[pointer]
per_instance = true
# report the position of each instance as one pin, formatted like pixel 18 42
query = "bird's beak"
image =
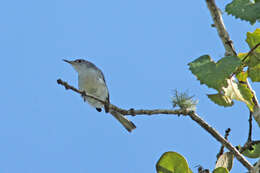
pixel 70 62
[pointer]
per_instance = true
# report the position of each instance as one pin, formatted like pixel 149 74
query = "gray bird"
pixel 92 81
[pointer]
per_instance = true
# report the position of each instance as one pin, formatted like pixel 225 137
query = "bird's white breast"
pixel 93 84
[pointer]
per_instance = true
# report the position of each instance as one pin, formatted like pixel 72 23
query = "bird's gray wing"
pixel 101 78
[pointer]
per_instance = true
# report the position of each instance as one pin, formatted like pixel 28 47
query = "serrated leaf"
pixel 245 10
pixel 253 39
pixel 172 162
pixel 225 160
pixel 220 99
pixel 213 74
pixel 254 153
pixel 254 73
pixel 253 59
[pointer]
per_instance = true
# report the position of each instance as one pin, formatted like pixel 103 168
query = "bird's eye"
pixel 79 60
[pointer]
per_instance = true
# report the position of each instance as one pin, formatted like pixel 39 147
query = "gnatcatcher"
pixel 92 81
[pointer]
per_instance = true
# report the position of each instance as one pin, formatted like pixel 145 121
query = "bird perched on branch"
pixel 92 81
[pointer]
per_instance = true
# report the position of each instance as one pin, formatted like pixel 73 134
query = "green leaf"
pixel 254 73
pixel 247 95
pixel 245 10
pixel 253 61
pixel 225 161
pixel 220 170
pixel 172 162
pixel 213 74
pixel 253 38
pixel 220 99
pixel 254 153
pixel 242 76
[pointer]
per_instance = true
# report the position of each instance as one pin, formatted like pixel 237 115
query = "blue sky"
pixel 143 48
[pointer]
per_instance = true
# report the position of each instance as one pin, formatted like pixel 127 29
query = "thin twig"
pixel 249 143
pixel 249 139
pixel 250 52
pixel 221 151
pixel 191 114
pixel 227 133
pixel 243 61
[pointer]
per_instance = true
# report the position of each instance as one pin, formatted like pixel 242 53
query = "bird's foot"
pixel 99 109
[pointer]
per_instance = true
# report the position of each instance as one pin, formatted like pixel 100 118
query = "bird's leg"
pixel 107 103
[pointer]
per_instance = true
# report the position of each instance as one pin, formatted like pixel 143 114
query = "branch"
pixel 191 114
pixel 123 111
pixel 222 32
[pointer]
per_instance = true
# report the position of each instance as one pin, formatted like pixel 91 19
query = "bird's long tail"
pixel 129 125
